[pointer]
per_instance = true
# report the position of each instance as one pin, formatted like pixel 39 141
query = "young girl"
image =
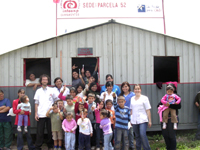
pixel 85 130
pixel 25 106
pixel 99 132
pixel 79 90
pixel 16 111
pixel 93 89
pixel 106 126
pixel 109 104
pixel 69 126
pixel 170 98
pixel 108 93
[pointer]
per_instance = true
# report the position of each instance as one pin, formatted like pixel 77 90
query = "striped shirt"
pixel 122 116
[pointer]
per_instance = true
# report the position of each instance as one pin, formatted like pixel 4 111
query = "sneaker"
pixel 25 129
pixel 55 148
pixel 59 148
pixel 175 126
pixel 164 125
pixel 98 148
pixel 93 147
pixel 19 129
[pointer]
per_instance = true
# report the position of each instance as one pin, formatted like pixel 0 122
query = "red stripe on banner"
pixel 56 19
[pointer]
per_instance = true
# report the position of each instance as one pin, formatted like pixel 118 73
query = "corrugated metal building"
pixel 126 52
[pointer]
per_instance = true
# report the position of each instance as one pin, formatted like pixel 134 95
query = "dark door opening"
pixel 166 69
pixel 89 64
pixel 38 67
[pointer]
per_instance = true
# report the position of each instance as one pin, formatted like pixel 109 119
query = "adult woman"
pixel 108 93
pixel 77 79
pixel 141 117
pixel 58 88
pixel 169 133
pixel 20 142
pixel 126 92
pixel 32 81
pixel 5 122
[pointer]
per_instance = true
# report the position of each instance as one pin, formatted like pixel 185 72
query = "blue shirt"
pixel 115 89
pixel 122 115
pixel 3 116
pixel 128 99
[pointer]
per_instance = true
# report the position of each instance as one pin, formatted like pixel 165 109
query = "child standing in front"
pixel 25 106
pixel 56 125
pixel 106 126
pixel 122 114
pixel 85 130
pixel 109 104
pixel 99 132
pixel 69 126
pixel 170 98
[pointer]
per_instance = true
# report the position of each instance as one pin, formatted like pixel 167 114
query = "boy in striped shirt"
pixel 122 114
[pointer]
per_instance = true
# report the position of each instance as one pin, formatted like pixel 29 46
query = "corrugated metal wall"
pixel 188 114
pixel 125 52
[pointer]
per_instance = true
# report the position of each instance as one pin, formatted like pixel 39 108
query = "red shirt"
pixel 17 111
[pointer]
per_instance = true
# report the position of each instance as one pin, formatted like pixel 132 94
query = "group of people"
pixel 86 115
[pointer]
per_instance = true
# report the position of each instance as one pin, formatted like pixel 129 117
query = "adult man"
pixel 115 89
pixel 5 123
pixel 32 81
pixel 43 101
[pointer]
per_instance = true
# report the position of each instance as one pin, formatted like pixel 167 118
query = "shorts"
pixel 57 135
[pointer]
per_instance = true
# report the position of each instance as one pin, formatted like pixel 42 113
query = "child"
pixel 85 130
pixel 73 93
pixel 106 126
pixel 91 116
pixel 109 104
pixel 60 104
pixel 79 90
pixel 122 114
pixel 99 132
pixel 170 98
pixel 25 106
pixel 69 126
pixel 70 105
pixel 56 125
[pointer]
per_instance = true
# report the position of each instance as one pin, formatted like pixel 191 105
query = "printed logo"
pixel 70 4
pixel 141 8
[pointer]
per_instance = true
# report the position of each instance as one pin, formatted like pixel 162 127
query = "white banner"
pixel 105 9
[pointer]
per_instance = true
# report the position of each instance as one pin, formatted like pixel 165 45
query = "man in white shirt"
pixel 43 101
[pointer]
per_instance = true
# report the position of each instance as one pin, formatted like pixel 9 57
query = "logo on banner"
pixel 141 8
pixel 70 8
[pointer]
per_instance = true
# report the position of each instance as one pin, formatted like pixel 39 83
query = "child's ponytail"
pixel 105 113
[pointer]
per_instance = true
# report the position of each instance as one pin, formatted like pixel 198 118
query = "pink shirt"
pixel 68 126
pixel 97 114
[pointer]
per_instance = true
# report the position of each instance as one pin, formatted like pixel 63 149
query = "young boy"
pixel 56 125
pixel 122 114
pixel 109 104
pixel 91 116
pixel 85 130
pixel 60 104
pixel 70 105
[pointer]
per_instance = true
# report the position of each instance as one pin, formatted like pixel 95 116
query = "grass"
pixel 184 141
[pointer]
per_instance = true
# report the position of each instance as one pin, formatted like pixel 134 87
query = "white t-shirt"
pixel 29 81
pixel 139 107
pixel 85 126
pixel 45 99
pixel 24 106
pixel 108 96
pixel 56 92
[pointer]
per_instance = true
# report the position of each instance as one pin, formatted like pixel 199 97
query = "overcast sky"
pixel 24 22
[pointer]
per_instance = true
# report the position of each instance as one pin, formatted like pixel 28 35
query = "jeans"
pixel 169 135
pixel 5 134
pixel 84 141
pixel 140 135
pixel 20 141
pixel 70 141
pixel 119 133
pixel 107 141
pixel 198 128
pixel 131 137
pixel 93 138
pixel 21 118
pixel 40 133
pixel 99 134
